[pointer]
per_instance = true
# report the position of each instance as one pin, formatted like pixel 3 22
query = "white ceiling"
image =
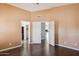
pixel 34 7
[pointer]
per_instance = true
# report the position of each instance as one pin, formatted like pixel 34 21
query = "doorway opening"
pixel 25 30
pixel 43 32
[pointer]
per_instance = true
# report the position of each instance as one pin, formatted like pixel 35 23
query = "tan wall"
pixel 10 21
pixel 66 23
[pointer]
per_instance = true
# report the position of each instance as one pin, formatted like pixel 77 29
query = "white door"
pixel 36 32
pixel 26 31
pixel 47 32
pixel 51 35
pixel 26 37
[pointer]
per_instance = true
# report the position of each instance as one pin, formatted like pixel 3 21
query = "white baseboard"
pixel 52 44
pixel 10 48
pixel 68 47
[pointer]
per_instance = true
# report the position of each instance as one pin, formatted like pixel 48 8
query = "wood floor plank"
pixel 41 50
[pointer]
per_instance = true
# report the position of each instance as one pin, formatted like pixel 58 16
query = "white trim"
pixel 68 47
pixel 10 48
pixel 51 44
pixel 24 23
pixel 52 33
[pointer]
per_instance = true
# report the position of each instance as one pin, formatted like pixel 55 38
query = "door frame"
pixel 51 39
pixel 51 31
pixel 24 23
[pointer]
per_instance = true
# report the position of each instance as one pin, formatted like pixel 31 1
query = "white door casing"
pixel 24 24
pixel 52 31
pixel 36 32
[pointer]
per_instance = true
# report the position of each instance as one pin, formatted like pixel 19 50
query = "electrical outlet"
pixel 10 43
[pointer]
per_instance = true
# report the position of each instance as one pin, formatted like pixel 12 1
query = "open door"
pixel 25 27
pixel 52 33
pixel 43 32
pixel 47 32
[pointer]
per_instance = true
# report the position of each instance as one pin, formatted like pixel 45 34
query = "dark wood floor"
pixel 40 50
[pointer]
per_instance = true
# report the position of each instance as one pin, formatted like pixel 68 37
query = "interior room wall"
pixel 66 23
pixel 66 20
pixel 10 25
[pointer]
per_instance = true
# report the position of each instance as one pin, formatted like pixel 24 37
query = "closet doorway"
pixel 25 30
pixel 43 32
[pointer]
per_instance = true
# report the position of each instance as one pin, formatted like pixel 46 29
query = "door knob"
pixel 46 30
